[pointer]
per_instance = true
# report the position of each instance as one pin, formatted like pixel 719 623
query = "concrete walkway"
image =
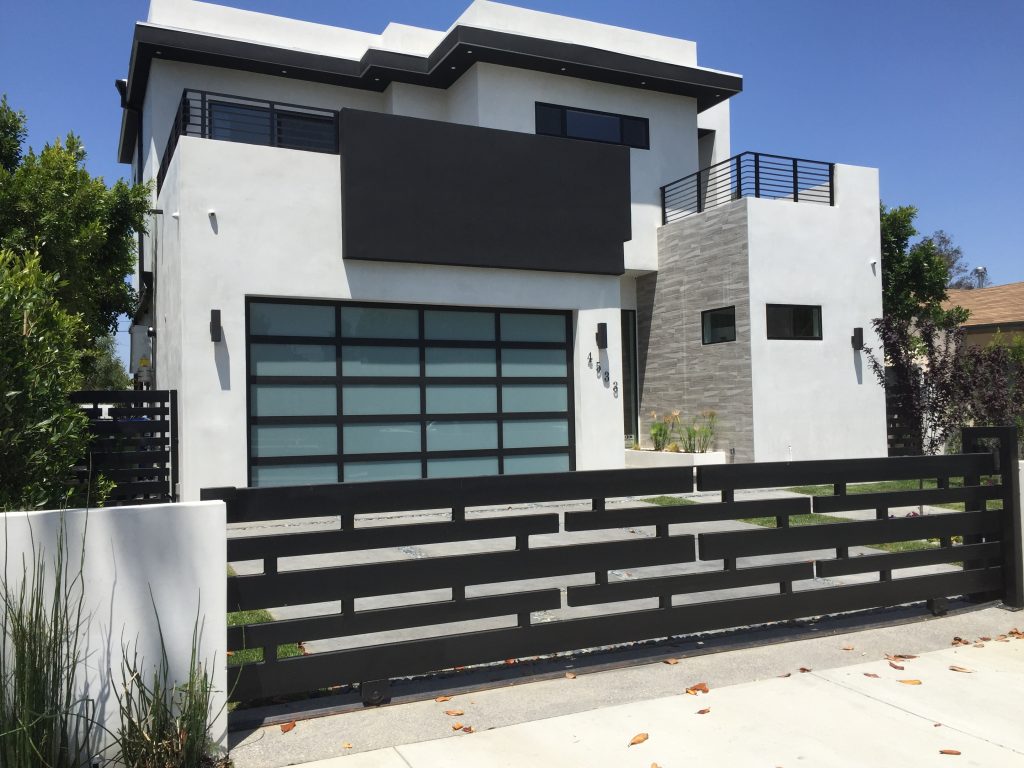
pixel 848 709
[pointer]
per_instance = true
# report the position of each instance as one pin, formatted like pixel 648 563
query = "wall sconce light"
pixel 602 336
pixel 216 332
pixel 857 340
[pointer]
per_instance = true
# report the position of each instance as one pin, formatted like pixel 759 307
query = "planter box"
pixel 648 459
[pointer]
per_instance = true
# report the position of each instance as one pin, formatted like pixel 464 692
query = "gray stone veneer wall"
pixel 702 264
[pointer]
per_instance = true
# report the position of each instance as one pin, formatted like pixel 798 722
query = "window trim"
pixel 722 341
pixel 821 326
pixel 421 381
pixel 563 133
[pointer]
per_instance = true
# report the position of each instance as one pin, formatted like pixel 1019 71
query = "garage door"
pixel 344 392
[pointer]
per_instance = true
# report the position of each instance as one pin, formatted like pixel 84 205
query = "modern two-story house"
pixel 491 249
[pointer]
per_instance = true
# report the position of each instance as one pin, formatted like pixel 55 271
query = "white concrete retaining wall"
pixel 646 459
pixel 172 556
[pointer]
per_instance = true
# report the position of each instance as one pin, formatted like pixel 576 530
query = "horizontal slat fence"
pixel 689 551
pixel 133 442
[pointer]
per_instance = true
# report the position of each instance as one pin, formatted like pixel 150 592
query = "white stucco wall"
pixel 817 399
pixel 277 232
pixel 172 556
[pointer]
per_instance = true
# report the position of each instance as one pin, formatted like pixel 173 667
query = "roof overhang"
pixel 377 69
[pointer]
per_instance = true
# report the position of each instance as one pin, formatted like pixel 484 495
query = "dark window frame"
pixel 794 337
pixel 564 133
pixel 703 340
pixel 422 381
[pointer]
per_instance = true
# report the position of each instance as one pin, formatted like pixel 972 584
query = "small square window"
pixel 794 321
pixel 718 325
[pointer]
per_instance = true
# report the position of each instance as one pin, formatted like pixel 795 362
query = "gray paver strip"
pixel 374 729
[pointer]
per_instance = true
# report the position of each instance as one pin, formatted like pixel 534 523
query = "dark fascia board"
pixel 460 49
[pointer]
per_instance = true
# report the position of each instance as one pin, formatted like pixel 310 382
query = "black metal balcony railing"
pixel 749 174
pixel 250 121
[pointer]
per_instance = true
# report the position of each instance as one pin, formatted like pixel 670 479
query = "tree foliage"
pixel 82 229
pixel 102 368
pixel 990 384
pixel 42 435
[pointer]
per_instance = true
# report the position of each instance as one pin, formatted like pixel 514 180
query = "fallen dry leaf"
pixel 956 668
pixel 229 654
pixel 894 665
pixel 443 699
pixel 570 675
pixel 870 674
pixel 805 669
pixel 788 674
pixel 670 661
pixel 847 648
pixel 696 688
pixel 910 682
pixel 346 745
pixel 640 738
pixel 936 725
pixel 510 661
pixel 703 711
pixel 984 639
pixel 979 645
pixel 286 727
pixel 467 729
pixel 899 656
pixel 457 726
pixel 949 751
pixel 454 712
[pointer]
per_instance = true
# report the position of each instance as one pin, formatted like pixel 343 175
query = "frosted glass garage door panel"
pixel 369 471
pixel 467 467
pixel 382 438
pixel 380 399
pixel 380 323
pixel 536 433
pixel 462 398
pixel 523 465
pixel 293 359
pixel 294 474
pixel 536 398
pixel 294 400
pixel 462 435
pixel 520 327
pixel 458 326
pixel 456 361
pixel 380 361
pixel 294 440
pixel 533 362
pixel 291 320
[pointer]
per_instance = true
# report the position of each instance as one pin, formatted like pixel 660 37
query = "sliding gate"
pixel 470 575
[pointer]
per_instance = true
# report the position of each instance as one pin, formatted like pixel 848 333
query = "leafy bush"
pixel 660 435
pixel 42 435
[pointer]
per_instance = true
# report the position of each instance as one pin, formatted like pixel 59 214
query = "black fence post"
pixel 1011 539
pixel 739 177
pixel 796 182
pixel 757 174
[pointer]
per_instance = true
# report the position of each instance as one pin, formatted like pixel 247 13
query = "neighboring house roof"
pixel 996 305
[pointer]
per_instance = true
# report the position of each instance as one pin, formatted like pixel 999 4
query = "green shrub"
pixel 42 435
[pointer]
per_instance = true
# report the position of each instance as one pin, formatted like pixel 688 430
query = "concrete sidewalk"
pixel 763 710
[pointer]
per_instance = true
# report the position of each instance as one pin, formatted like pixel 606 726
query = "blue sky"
pixel 928 91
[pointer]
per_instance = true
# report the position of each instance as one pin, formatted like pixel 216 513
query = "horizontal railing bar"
pixel 829 471
pixel 385 619
pixel 319 670
pixel 386 536
pixel 773 541
pixel 689 513
pixel 351 581
pixel 111 397
pixel 973 494
pixel 636 589
pixel 127 426
pixel 194 97
pixel 102 460
pixel 892 561
pixel 250 504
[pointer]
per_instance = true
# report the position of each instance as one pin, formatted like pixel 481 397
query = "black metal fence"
pixel 748 174
pixel 208 115
pixel 134 443
pixel 596 558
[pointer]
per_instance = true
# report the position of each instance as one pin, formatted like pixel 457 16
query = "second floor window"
pixel 794 321
pixel 574 123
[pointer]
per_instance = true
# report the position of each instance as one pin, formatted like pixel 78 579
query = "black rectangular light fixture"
pixel 216 332
pixel 857 339
pixel 602 336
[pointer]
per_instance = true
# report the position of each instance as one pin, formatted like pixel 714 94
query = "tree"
pixel 961 275
pixel 990 384
pixel 82 229
pixel 102 367
pixel 42 435
pixel 913 278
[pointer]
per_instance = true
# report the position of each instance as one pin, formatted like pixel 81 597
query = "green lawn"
pixel 258 616
pixel 884 487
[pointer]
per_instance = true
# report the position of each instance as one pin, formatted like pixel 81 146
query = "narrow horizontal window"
pixel 592 125
pixel 794 321
pixel 718 325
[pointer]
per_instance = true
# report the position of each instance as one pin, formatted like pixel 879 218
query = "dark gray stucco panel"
pixel 429 192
